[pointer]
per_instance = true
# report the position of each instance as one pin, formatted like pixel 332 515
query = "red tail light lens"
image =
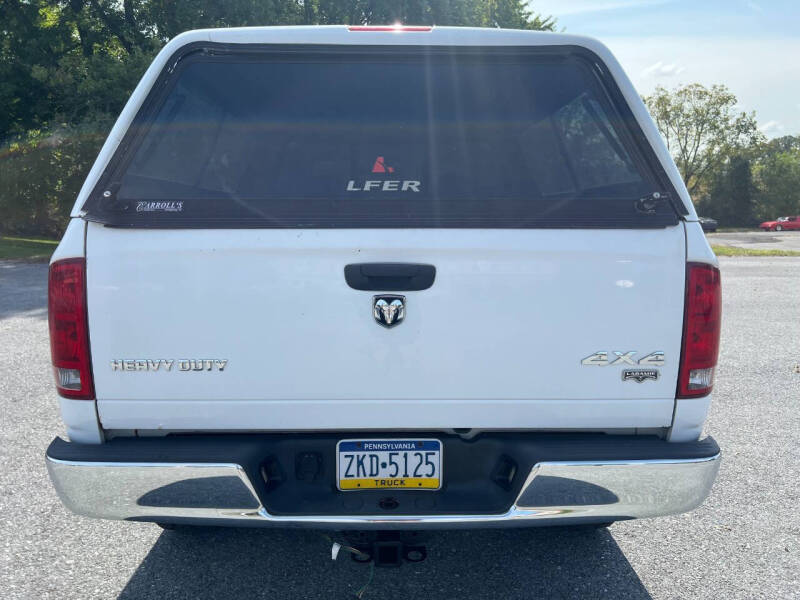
pixel 69 331
pixel 701 329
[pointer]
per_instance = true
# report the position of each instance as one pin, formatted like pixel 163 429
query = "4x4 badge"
pixel 389 310
pixel 602 359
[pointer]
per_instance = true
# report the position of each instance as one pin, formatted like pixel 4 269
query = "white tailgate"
pixel 497 341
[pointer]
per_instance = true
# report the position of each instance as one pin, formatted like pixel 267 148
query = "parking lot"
pixel 744 542
pixel 757 240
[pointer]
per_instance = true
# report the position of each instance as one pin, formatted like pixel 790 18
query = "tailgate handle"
pixel 389 277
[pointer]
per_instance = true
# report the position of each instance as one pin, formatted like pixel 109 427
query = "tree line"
pixel 732 172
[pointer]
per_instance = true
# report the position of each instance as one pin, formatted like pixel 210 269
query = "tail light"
pixel 701 329
pixel 69 331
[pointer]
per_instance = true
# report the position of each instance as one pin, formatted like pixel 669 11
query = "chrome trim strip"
pixel 590 491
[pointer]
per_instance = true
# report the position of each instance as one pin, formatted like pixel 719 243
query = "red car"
pixel 781 224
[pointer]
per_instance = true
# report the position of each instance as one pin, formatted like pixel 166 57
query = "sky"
pixel 752 46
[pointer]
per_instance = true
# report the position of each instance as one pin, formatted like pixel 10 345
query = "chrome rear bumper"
pixel 223 494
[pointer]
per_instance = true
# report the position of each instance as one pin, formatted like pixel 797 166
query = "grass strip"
pixel 734 251
pixel 26 248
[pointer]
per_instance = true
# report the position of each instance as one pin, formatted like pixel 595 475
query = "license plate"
pixel 414 464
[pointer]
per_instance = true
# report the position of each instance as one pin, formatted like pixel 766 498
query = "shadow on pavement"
pixel 515 563
pixel 23 289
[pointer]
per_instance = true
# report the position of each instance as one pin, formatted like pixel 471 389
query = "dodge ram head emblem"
pixel 389 310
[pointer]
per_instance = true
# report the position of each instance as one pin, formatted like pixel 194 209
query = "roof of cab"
pixel 344 34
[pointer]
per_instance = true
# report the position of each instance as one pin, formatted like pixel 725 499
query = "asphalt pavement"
pixel 757 240
pixel 744 542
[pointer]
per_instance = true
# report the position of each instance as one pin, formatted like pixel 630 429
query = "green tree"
pixel 41 175
pixel 777 175
pixel 703 129
pixel 732 198
pixel 512 14
pixel 167 18
pixel 786 143
pixel 65 61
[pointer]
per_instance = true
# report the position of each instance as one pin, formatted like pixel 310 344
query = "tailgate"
pixel 497 340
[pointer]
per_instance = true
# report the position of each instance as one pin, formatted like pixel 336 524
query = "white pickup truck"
pixel 383 278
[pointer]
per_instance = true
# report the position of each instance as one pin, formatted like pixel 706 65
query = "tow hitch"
pixel 386 548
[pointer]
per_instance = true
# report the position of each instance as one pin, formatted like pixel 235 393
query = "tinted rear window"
pixel 414 138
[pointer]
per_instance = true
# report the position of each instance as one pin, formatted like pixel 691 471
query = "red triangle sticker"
pixel 378 166
pixel 381 167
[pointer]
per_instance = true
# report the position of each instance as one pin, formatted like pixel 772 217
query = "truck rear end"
pixel 350 278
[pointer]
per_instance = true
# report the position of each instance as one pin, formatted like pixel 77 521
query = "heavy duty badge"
pixel 166 364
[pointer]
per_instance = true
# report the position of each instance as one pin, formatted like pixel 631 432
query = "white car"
pixel 383 278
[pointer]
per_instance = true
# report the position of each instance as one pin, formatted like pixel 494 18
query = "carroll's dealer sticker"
pixel 389 464
pixel 159 206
